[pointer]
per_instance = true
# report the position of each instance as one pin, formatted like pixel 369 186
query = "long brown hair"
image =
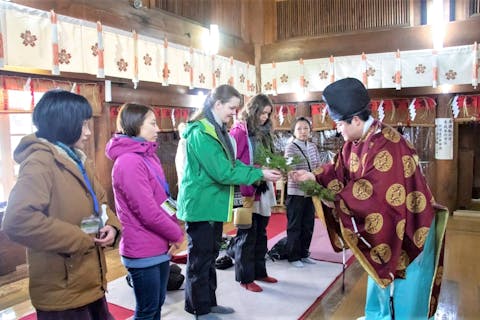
pixel 252 111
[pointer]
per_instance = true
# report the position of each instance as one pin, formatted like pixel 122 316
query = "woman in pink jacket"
pixel 149 226
pixel 253 131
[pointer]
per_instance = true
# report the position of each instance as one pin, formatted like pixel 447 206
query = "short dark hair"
pixel 59 116
pixel 298 120
pixel 131 117
pixel 363 115
pixel 222 93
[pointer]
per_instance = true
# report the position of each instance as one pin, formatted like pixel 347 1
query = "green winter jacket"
pixel 206 192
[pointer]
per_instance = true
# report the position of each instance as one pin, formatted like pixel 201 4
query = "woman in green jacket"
pixel 205 198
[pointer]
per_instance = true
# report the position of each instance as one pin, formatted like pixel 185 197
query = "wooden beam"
pixel 162 97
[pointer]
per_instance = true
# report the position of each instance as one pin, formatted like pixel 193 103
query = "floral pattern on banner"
pixel 32 29
pixel 94 49
pixel 420 68
pixel 28 38
pixel 64 57
pixel 147 60
pixel 122 65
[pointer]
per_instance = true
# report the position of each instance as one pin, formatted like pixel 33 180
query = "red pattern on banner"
pixel 320 118
pixel 469 107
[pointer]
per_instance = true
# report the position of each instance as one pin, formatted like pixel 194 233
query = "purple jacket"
pixel 240 133
pixel 147 229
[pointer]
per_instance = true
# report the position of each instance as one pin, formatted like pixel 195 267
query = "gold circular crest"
pixel 400 229
pixel 383 161
pixel 344 208
pixel 420 236
pixel 391 134
pixel 362 189
pixel 373 223
pixel 403 261
pixel 335 185
pixel 416 201
pixel 409 166
pixel 354 162
pixel 318 171
pixel 395 195
pixel 352 238
pixel 381 254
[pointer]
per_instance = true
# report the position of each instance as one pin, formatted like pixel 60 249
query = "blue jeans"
pixel 150 287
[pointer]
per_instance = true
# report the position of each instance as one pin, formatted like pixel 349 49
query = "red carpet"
pixel 119 313
pixel 276 225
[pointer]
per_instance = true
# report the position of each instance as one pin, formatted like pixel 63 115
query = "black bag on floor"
pixel 175 278
pixel 223 263
pixel 279 250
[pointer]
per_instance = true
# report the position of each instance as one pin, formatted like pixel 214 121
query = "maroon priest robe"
pixel 383 207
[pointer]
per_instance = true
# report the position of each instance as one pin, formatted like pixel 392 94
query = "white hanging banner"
pixel 444 138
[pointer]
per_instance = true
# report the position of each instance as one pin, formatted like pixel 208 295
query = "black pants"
pixel 97 310
pixel 301 220
pixel 250 247
pixel 204 240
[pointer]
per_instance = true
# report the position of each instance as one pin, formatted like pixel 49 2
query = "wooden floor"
pixel 459 299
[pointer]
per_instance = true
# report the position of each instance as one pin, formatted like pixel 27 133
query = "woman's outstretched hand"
pixel 300 175
pixel 271 174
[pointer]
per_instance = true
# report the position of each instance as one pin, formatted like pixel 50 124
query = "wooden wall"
pixel 310 18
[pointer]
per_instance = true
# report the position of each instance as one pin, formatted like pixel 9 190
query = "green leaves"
pixel 312 188
pixel 267 158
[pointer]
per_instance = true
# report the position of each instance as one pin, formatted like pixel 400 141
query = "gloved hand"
pixel 262 187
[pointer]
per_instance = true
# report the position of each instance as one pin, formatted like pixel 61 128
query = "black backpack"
pixel 175 279
pixel 279 250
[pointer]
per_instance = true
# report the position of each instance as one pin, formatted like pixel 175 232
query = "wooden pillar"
pixel 103 166
pixel 258 71
pixel 445 189
pixel 303 110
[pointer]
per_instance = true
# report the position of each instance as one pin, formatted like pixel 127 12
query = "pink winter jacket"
pixel 139 188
